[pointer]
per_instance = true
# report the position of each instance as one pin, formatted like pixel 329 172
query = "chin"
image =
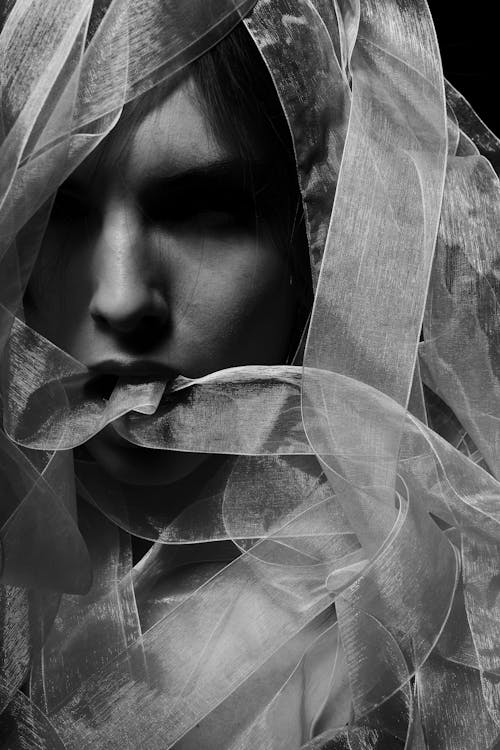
pixel 133 464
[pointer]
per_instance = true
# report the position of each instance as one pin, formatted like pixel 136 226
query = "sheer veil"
pixel 361 486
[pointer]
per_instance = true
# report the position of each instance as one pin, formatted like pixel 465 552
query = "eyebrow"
pixel 238 175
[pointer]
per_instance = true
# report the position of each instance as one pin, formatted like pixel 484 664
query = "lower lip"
pixel 101 386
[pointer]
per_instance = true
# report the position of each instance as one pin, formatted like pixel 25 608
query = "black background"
pixel 469 40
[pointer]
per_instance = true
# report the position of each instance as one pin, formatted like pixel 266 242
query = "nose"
pixel 127 296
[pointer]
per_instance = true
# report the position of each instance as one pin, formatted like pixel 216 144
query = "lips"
pixel 133 368
pixel 100 386
pixel 106 374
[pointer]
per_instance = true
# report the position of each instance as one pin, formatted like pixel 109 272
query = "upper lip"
pixel 133 369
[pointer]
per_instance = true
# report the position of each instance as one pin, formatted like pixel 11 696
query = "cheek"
pixel 230 299
pixel 58 291
pixel 240 305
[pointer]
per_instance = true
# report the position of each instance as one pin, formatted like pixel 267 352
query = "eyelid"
pixel 182 205
pixel 216 217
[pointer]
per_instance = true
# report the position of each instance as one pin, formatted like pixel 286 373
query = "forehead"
pixel 166 134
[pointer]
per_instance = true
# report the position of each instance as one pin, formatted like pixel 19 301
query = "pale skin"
pixel 152 259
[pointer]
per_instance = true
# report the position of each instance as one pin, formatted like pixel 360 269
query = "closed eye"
pixel 210 213
pixel 219 195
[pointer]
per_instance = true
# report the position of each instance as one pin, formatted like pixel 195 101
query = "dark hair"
pixel 233 78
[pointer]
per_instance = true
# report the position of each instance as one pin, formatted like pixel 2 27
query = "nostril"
pixel 136 335
pixel 130 314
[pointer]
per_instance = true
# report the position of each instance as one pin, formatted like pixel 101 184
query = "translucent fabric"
pixel 348 524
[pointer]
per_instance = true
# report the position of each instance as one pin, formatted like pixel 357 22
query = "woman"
pixel 325 560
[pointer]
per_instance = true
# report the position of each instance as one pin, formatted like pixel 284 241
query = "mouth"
pixel 100 386
pixel 105 375
pixel 125 368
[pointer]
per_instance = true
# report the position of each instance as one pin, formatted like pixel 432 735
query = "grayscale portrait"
pixel 250 397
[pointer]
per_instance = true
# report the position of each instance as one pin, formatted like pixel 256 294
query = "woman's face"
pixel 161 257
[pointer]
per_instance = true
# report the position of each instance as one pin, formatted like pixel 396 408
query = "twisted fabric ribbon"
pixel 351 581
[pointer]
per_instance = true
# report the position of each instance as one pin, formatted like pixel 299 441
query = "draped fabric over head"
pixel 361 487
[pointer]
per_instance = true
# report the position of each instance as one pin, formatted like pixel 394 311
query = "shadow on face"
pixel 163 253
